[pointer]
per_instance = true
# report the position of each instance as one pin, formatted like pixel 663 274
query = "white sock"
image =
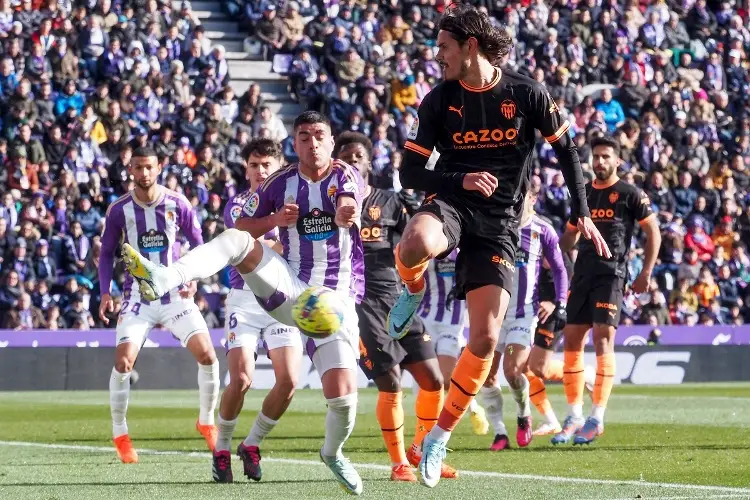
pixel 440 434
pixel 493 405
pixel 575 410
pixel 521 395
pixel 551 419
pixel 203 261
pixel 598 412
pixel 208 391
pixel 473 405
pixel 342 412
pixel 261 428
pixel 119 393
pixel 226 430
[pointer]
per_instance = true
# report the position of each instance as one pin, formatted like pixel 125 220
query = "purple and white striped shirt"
pixel 537 241
pixel 149 229
pixel 232 212
pixel 440 279
pixel 316 249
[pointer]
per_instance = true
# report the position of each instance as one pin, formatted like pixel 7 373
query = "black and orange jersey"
pixel 489 129
pixel 615 209
pixel 384 216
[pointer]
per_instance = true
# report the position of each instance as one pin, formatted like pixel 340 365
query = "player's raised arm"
pixel 259 214
pixel 569 239
pixel 419 145
pixel 555 131
pixel 645 216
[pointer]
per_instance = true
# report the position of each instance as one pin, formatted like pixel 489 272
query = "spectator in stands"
pixel 24 316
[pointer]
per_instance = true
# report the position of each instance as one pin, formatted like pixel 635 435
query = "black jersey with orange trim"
pixel 615 209
pixel 384 217
pixel 490 129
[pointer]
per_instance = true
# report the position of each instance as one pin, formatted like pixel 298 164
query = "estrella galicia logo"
pixel 153 241
pixel 317 225
pixel 445 268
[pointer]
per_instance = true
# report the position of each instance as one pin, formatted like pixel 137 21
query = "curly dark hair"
pixel 348 137
pixel 464 21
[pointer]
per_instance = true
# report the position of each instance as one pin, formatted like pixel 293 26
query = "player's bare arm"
pixel 569 239
pixel 653 243
pixel 347 211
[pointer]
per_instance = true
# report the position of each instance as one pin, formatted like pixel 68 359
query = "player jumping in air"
pixel 315 204
pixel 444 318
pixel 149 218
pixel 383 358
pixel 538 243
pixel 247 322
pixel 598 285
pixel 483 121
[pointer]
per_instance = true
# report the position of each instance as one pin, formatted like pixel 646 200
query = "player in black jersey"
pixel 599 283
pixel 483 121
pixel 382 357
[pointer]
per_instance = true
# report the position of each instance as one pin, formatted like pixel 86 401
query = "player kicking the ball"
pixel 482 119
pixel 538 243
pixel 247 323
pixel 315 204
pixel 598 285
pixel 149 218
pixel 383 358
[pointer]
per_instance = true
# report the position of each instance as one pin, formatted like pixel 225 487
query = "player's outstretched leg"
pixel 492 397
pixel 229 248
pixel 119 394
pixel 402 314
pixel 429 402
pixel 423 239
pixel 336 362
pixel 605 373
pixel 285 361
pixel 486 306
pixel 573 381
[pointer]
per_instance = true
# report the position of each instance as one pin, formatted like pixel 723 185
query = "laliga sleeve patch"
pixel 413 130
pixel 251 205
pixel 351 187
pixel 235 212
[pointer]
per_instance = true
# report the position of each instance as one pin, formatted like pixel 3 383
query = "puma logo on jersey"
pixel 460 111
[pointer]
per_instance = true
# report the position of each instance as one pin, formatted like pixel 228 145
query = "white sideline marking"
pixel 496 475
pixel 702 497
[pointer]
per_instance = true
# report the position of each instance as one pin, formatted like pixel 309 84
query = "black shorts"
pixel 546 337
pixel 378 351
pixel 595 299
pixel 487 243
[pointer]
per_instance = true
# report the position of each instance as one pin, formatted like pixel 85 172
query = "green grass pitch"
pixel 677 442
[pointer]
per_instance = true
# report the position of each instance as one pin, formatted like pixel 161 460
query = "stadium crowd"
pixel 82 83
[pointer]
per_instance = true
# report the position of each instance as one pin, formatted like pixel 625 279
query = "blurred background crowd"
pixel 82 83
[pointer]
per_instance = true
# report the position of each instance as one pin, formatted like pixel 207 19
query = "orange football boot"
pixel 403 472
pixel 125 450
pixel 209 432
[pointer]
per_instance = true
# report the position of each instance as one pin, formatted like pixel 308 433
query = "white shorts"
pixel 448 339
pixel 516 331
pixel 274 277
pixel 248 324
pixel 181 317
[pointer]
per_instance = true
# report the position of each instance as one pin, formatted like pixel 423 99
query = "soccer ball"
pixel 318 312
